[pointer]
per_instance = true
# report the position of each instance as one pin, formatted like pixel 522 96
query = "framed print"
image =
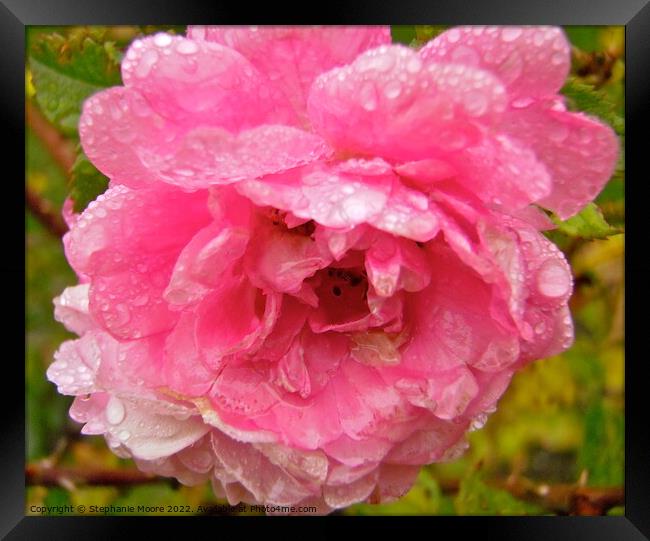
pixel 369 268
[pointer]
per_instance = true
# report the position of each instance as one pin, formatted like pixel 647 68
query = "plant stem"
pixel 45 213
pixel 45 475
pixel 61 149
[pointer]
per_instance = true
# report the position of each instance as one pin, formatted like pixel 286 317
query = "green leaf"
pixel 585 37
pixel 603 452
pixel 426 33
pixel 86 183
pixel 68 69
pixel 475 497
pixel 402 33
pixel 588 224
pixel 586 98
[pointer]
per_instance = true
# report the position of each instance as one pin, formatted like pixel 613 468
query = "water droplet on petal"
pixel 553 279
pixel 393 89
pixel 558 132
pixel 162 39
pixel 368 96
pixel 187 47
pixel 115 411
pixel 146 63
pixel 453 35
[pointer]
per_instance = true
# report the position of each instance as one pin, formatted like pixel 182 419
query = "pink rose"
pixel 318 264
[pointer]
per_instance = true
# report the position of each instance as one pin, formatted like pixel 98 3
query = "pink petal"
pixel 426 446
pixel 89 409
pixel 308 466
pixel 204 261
pixel 292 57
pixel 393 263
pixel 447 395
pixel 389 103
pixel 134 145
pixel 285 330
pixel 452 323
pixel 340 197
pixel 395 481
pixel 197 82
pixel 323 355
pixel 183 368
pixel 71 309
pixel 501 171
pixel 75 365
pixel 532 61
pixel 578 151
pixel 330 198
pixel 237 317
pixel 305 424
pixel 292 372
pixel 408 213
pixel 208 156
pixel 147 434
pixel 356 491
pixel 242 391
pixel 118 128
pixel 127 242
pixel 282 260
pixel 260 476
pixel 350 451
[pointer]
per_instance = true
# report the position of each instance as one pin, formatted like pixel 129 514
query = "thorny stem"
pixel 63 153
pixel 52 476
pixel 61 149
pixel 44 212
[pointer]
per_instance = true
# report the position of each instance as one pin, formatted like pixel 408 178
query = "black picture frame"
pixel 15 15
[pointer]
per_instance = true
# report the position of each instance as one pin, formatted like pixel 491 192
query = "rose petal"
pixel 292 57
pixel 532 61
pixel 389 103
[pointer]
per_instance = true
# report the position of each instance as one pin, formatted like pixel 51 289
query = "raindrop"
pixel 393 89
pixel 162 39
pixel 187 47
pixel 453 35
pixel 368 97
pixel 146 63
pixel 115 411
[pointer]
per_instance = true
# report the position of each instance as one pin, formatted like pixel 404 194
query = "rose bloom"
pixel 319 261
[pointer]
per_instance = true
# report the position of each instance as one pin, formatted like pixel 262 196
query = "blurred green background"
pixel 555 444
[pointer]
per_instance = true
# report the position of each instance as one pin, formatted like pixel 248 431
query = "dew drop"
pixel 553 280
pixel 115 411
pixel 414 65
pixel 146 63
pixel 162 39
pixel 187 47
pixel 453 35
pixel 558 132
pixel 476 103
pixel 557 59
pixel 393 89
pixel 368 97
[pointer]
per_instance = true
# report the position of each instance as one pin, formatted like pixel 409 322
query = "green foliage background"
pixel 561 419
